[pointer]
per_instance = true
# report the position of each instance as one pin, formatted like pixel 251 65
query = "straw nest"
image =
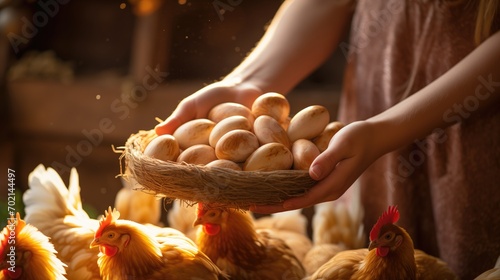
pixel 198 183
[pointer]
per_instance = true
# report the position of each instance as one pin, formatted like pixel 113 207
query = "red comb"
pixel 201 209
pixel 390 216
pixel 109 218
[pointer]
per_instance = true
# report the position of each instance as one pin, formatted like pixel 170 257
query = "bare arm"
pixel 301 36
pixel 440 104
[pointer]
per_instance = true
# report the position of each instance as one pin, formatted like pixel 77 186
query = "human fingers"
pixel 199 103
pixel 184 112
pixel 318 193
pixel 324 163
pixel 333 186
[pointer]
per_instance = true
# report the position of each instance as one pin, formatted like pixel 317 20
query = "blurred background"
pixel 78 77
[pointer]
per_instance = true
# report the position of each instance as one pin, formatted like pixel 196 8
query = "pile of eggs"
pixel 261 138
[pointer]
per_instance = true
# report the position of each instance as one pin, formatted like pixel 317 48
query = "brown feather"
pixel 242 252
pixel 398 260
pixel 149 257
pixel 34 254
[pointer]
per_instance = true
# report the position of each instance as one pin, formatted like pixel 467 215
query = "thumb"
pixel 325 163
pixel 168 126
pixel 176 119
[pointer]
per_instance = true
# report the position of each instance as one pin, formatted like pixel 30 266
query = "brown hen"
pixel 390 256
pixel 128 251
pixel 229 238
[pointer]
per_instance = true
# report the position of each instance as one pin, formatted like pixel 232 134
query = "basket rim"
pixel 218 184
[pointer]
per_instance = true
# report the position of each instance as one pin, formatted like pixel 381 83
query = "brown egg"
pixel 308 123
pixel 163 147
pixel 198 154
pixel 271 104
pixel 322 140
pixel 304 152
pixel 194 132
pixel 268 130
pixel 226 125
pixel 228 109
pixel 269 157
pixel 236 145
pixel 224 163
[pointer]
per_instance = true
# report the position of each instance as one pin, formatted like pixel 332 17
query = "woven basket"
pixel 198 183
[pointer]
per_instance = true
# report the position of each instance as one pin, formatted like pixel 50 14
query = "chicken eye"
pixel 111 235
pixel 388 236
pixel 211 214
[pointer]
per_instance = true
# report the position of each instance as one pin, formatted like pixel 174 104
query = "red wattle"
pixel 382 251
pixel 211 229
pixel 108 250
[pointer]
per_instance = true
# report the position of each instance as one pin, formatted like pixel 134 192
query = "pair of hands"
pixel 349 152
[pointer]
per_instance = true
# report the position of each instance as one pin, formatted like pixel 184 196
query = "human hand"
pixel 198 104
pixel 349 153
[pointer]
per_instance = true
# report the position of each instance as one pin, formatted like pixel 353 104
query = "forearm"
pixel 302 35
pixel 472 84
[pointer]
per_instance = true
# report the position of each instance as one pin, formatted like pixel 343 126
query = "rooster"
pixel 229 238
pixel 27 254
pixel 390 255
pixel 129 252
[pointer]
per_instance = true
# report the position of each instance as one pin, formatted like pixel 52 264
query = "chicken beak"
pixel 198 221
pixel 95 243
pixel 373 245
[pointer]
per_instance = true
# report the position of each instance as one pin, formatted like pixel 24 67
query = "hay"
pixel 198 183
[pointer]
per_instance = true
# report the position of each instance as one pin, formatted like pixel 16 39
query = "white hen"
pixel 57 212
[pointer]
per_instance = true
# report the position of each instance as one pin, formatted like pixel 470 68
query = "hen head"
pixel 212 219
pixel 110 238
pixel 385 236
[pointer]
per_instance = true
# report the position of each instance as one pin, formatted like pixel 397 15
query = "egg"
pixel 194 132
pixel 227 109
pixel 271 104
pixel 322 140
pixel 308 123
pixel 269 157
pixel 224 163
pixel 226 125
pixel 304 152
pixel 268 130
pixel 198 154
pixel 163 147
pixel 236 145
